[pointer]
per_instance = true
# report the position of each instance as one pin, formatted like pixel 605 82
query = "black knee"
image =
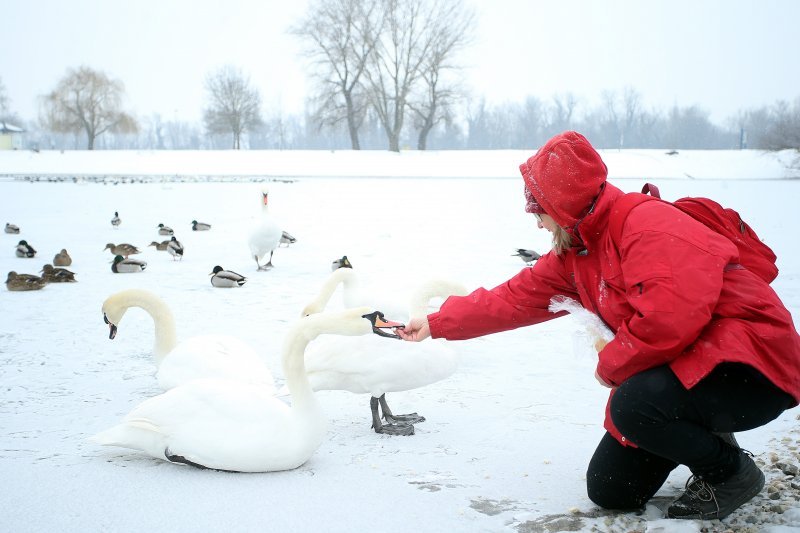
pixel 606 491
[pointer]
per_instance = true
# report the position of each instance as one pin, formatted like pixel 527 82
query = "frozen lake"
pixel 508 436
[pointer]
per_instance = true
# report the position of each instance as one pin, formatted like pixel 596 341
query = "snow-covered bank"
pixel 647 164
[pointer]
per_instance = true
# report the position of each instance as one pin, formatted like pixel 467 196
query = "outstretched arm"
pixel 416 330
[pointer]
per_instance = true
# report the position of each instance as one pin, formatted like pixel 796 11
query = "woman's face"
pixel 546 221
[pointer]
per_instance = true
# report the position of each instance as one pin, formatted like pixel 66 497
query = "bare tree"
pixel 562 112
pixel 395 64
pixel 234 105
pixel 450 29
pixel 339 36
pixel 784 127
pixel 529 121
pixel 89 102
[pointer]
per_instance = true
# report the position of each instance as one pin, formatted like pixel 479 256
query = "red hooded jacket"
pixel 673 292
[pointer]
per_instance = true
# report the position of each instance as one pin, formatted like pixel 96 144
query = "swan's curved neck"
pixel 163 322
pixel 344 276
pixel 421 297
pixel 294 368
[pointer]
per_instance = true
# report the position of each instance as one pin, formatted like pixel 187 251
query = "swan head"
pixel 111 327
pixel 343 262
pixel 381 326
pixel 114 309
pixel 353 321
pixel 115 306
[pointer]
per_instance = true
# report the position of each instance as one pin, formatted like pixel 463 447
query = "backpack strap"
pixel 652 190
pixel 623 206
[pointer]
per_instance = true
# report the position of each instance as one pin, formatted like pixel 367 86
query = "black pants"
pixel 672 426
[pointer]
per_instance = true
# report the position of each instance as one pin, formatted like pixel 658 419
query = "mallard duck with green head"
pixel 226 278
pixel 165 230
pixel 124 265
pixel 25 250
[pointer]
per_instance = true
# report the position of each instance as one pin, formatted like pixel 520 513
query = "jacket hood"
pixel 565 176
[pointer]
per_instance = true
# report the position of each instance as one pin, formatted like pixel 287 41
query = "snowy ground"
pixel 507 438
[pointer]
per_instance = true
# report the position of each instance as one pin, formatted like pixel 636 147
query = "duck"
pixel 342 262
pixel 165 230
pixel 203 356
pixel 266 236
pixel 373 366
pixel 115 220
pixel 226 278
pixel 227 425
pixel 11 228
pixel 287 239
pixel 25 250
pixel 200 226
pixel 160 246
pixel 24 282
pixel 175 249
pixel 123 249
pixel 126 265
pixel 62 259
pixel 57 275
pixel 527 256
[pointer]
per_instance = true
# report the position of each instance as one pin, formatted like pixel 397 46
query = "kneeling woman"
pixel 703 347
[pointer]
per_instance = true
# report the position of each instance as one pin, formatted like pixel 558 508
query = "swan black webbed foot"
pixel 410 418
pixel 400 428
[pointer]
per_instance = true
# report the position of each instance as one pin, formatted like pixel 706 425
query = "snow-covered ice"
pixel 507 437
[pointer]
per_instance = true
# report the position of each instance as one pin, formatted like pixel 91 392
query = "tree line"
pixel 385 74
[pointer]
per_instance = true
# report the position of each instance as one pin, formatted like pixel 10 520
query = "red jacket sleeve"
pixel 520 301
pixel 673 274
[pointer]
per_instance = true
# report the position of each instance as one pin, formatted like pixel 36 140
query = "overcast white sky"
pixel 723 55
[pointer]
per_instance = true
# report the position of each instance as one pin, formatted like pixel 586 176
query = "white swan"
pixel 225 425
pixel 374 366
pixel 266 236
pixel 204 356
pixel 355 293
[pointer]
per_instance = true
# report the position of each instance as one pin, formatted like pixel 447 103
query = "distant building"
pixel 10 136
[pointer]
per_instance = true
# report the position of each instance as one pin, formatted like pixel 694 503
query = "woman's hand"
pixel 416 330
pixel 601 381
pixel 599 344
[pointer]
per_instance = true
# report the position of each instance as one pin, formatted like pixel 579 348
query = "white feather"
pixel 596 328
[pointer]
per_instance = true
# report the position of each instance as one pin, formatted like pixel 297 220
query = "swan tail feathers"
pixel 137 434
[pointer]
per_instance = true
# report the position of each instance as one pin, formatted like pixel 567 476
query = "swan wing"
pixel 214 423
pixel 376 365
pixel 214 356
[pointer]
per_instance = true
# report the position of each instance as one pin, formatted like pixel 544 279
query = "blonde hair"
pixel 562 241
